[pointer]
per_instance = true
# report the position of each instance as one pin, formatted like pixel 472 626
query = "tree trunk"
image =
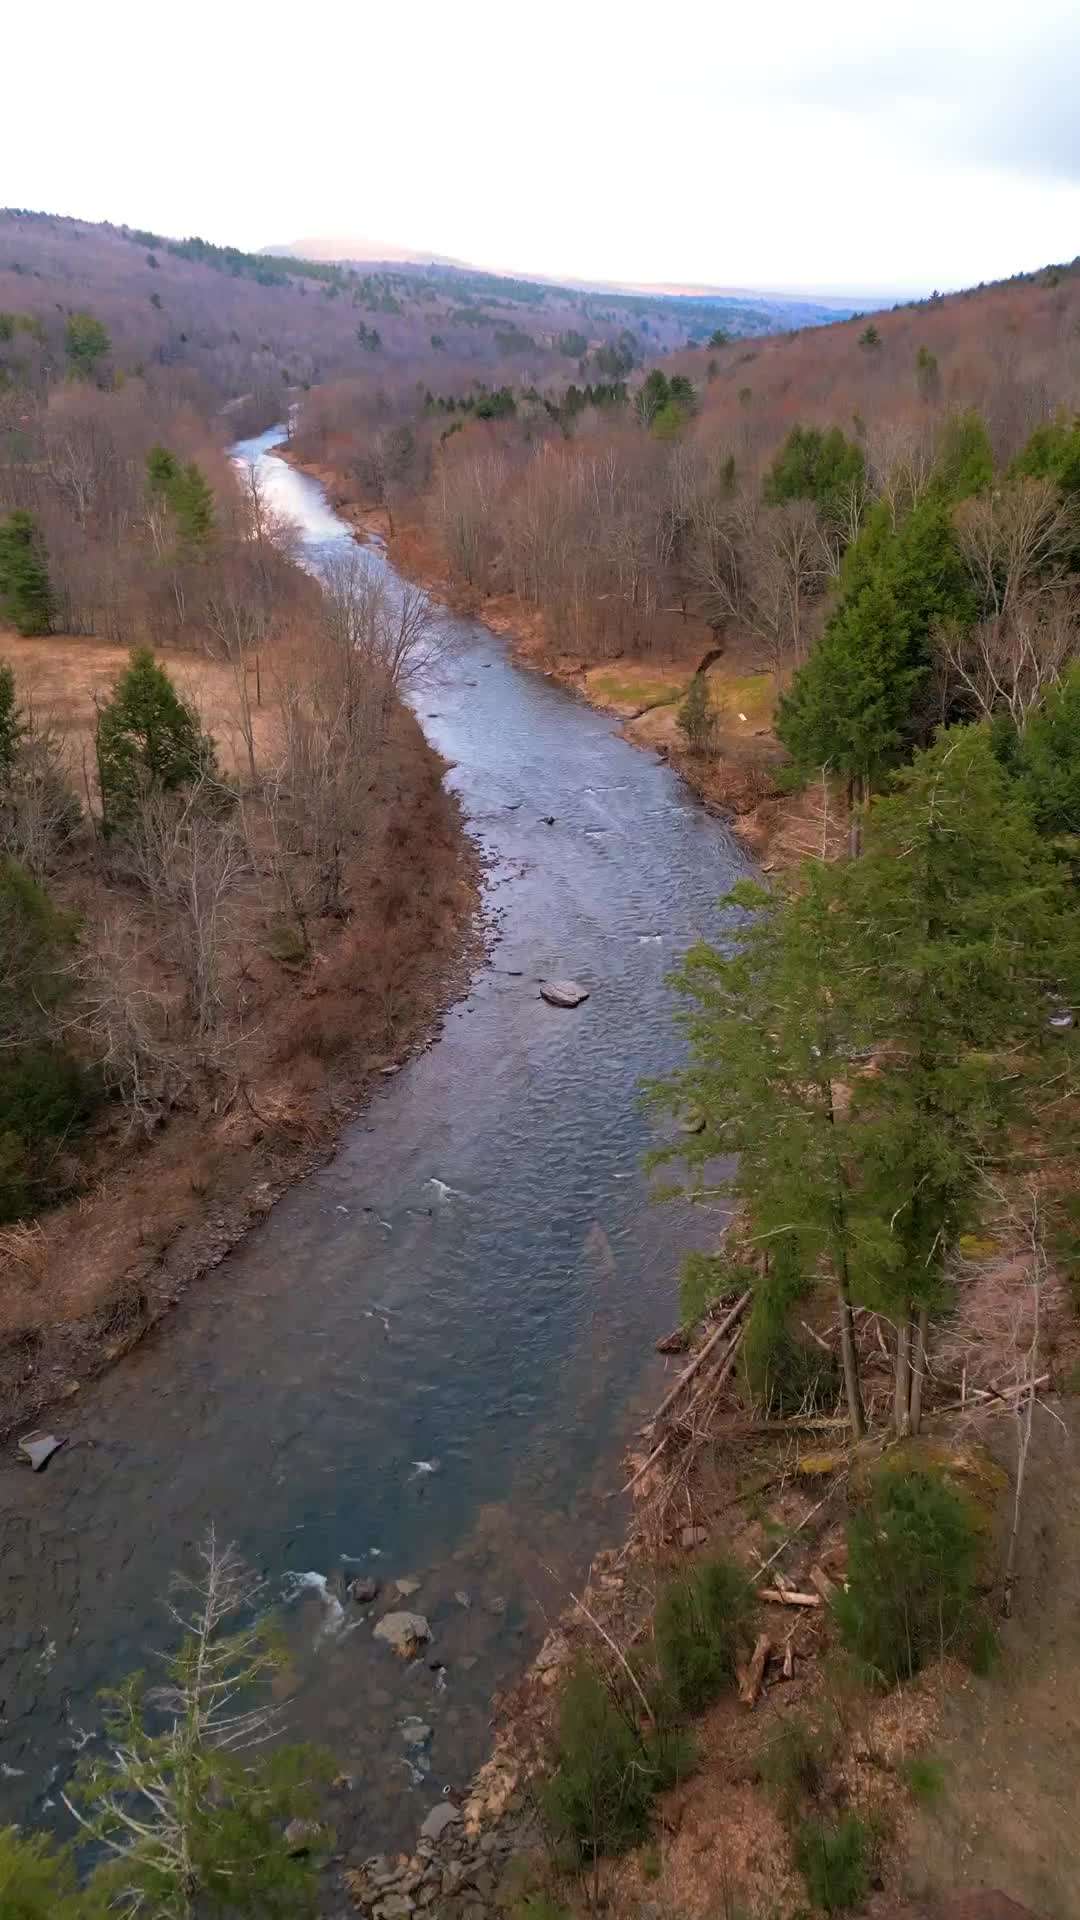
pixel 850 1357
pixel 856 796
pixel 902 1387
pixel 918 1372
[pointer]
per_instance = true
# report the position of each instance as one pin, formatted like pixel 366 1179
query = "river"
pixel 472 1285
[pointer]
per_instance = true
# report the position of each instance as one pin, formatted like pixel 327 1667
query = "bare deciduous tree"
pixel 1008 663
pixel 188 853
pixel 126 1023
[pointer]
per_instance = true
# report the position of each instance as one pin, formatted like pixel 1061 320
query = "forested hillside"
pixel 709 502
pixel 253 325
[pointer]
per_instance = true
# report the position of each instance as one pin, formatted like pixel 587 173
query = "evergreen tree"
pixel 25 595
pixel 964 463
pixel 696 718
pixel 771 1025
pixel 854 706
pixel 959 908
pixel 652 396
pixel 1046 758
pixel 147 736
pixel 11 726
pixel 823 467
pixel 187 494
pixel 1052 453
pixel 927 375
pixel 86 343
pixel 188 1800
pixel 37 1881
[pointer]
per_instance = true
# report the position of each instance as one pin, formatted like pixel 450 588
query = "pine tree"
pixel 188 1800
pixel 187 494
pixel 696 718
pixel 86 343
pixel 961 917
pixel 147 737
pixel 811 465
pixel 1045 758
pixel 772 1024
pixel 11 726
pixel 965 460
pixel 855 705
pixel 25 595
pixel 37 1881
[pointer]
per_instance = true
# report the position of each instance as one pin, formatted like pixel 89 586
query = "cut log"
pixel 821 1583
pixel 754 1672
pixel 788 1599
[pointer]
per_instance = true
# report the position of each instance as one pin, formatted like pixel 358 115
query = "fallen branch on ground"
pixel 699 1359
pixel 754 1672
pixel 783 1598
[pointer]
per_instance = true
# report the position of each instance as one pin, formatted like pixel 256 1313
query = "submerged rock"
pixel 563 993
pixel 363 1589
pixel 404 1633
pixel 407 1586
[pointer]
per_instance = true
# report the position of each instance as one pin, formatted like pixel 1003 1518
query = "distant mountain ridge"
pixel 350 250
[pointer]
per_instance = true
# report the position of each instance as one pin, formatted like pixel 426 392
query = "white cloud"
pixel 788 145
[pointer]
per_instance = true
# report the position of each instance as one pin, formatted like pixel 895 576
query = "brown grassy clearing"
pixel 296 1047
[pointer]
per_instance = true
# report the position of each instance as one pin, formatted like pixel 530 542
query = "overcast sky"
pixel 834 145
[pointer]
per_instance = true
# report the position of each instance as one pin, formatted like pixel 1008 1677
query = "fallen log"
pixel 714 1381
pixel 987 1396
pixel 820 1581
pixel 788 1599
pixel 754 1672
pixel 700 1358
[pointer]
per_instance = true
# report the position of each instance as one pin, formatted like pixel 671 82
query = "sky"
pixel 836 147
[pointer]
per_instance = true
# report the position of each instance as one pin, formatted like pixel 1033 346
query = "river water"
pixel 474 1283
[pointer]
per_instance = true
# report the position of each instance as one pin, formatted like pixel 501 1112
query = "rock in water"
pixel 39 1448
pixel 440 1817
pixel 363 1589
pixel 563 993
pixel 405 1633
pixel 407 1586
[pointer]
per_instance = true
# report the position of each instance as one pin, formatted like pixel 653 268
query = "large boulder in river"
pixel 405 1633
pixel 563 993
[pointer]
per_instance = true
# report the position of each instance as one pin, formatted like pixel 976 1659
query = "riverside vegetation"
pixel 231 884
pixel 881 1052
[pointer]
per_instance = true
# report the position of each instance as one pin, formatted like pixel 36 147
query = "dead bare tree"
pixel 1007 662
pixel 126 1023
pixel 187 851
pixel 375 642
